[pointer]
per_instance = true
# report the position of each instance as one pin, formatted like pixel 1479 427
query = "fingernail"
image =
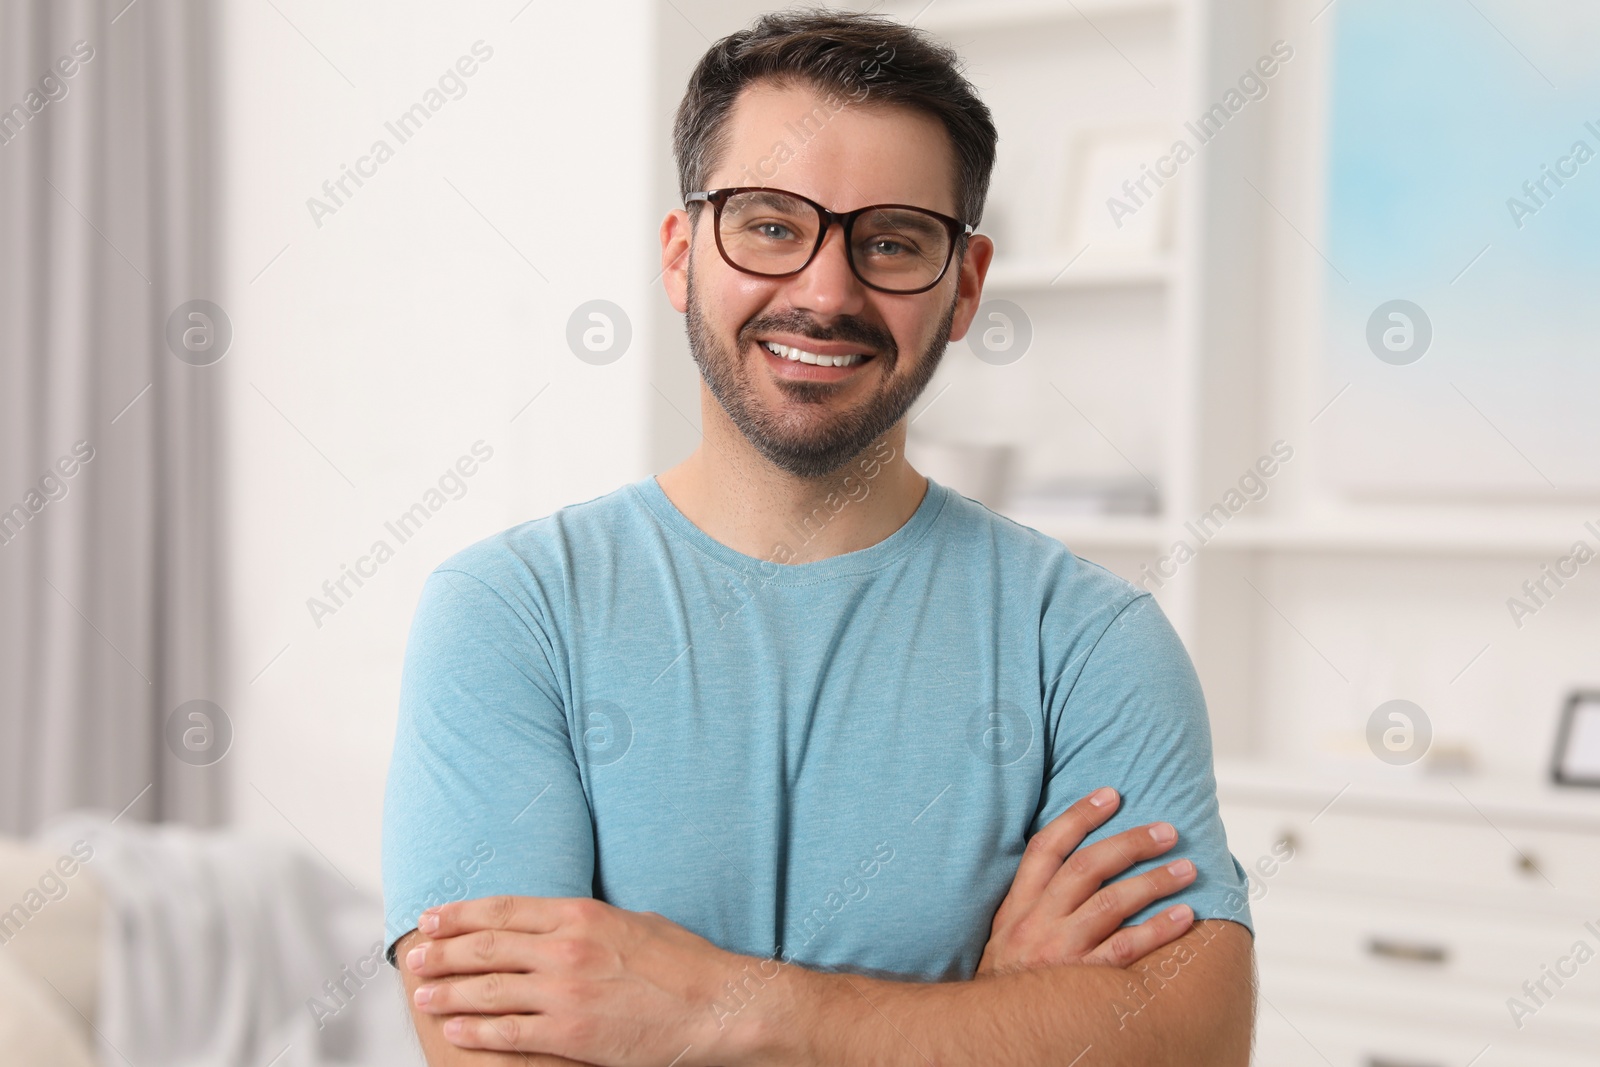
pixel 428 922
pixel 452 1027
pixel 1163 832
pixel 415 957
pixel 1180 913
pixel 1180 868
pixel 423 995
pixel 1101 797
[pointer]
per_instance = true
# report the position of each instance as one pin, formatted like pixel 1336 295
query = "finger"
pixel 1090 867
pixel 1135 942
pixel 497 993
pixel 1050 847
pixel 500 1033
pixel 1112 905
pixel 480 952
pixel 531 915
pixel 1082 931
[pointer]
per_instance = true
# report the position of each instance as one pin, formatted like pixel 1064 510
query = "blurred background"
pixel 1291 322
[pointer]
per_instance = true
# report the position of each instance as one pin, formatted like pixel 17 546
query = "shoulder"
pixel 532 555
pixel 1072 593
pixel 522 578
pixel 1093 625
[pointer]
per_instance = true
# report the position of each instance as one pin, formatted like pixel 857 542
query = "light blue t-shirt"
pixel 837 763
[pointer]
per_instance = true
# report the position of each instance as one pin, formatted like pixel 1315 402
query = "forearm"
pixel 1190 1003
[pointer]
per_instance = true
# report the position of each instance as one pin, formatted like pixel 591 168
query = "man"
pixel 768 758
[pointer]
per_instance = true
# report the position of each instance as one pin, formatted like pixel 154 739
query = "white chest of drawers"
pixel 1424 923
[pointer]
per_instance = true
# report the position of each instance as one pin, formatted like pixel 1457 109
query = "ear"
pixel 676 240
pixel 969 283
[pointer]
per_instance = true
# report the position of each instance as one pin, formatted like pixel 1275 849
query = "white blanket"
pixel 228 950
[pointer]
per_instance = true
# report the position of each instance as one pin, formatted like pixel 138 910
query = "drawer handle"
pixel 1410 951
pixel 1385 1061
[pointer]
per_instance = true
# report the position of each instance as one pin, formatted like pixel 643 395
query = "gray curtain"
pixel 110 459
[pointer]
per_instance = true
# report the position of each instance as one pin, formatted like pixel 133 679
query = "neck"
pixel 738 497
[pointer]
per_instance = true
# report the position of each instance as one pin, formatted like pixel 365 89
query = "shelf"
pixel 1532 801
pixel 1447 533
pixel 944 16
pixel 1040 275
pixel 1143 532
pixel 1453 533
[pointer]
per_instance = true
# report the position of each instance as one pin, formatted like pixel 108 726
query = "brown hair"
pixel 871 60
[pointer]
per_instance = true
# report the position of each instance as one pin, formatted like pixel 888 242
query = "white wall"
pixel 376 348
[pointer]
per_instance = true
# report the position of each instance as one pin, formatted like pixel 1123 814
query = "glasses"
pixel 893 248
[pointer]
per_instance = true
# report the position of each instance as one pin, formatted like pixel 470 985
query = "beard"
pixel 806 438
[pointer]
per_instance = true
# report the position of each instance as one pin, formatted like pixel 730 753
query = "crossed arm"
pixel 552 982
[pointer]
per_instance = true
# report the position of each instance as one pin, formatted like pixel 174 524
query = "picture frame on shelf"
pixel 1576 760
pixel 1116 205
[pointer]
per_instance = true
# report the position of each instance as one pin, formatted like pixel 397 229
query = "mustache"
pixel 844 329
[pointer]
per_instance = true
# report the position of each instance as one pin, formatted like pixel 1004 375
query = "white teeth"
pixel 800 355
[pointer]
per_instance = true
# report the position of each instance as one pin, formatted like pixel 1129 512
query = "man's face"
pixel 805 418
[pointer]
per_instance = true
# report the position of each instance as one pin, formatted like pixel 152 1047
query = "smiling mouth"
pixel 800 355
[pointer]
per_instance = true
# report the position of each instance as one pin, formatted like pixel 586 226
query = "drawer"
pixel 1258 835
pixel 1476 1012
pixel 1305 1036
pixel 1405 853
pixel 1571 861
pixel 1439 942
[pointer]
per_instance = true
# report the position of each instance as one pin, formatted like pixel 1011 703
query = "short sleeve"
pixel 483 794
pixel 1135 719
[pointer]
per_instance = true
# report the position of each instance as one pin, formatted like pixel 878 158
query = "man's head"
pixel 848 111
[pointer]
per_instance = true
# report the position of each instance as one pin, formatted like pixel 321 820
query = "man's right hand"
pixel 1060 910
pixel 439 1050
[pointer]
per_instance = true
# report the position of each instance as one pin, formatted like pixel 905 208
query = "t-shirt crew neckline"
pixel 887 551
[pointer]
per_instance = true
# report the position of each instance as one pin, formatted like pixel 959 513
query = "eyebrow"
pixel 898 219
pixel 771 198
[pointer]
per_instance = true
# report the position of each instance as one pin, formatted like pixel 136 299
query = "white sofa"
pixel 162 944
pixel 49 959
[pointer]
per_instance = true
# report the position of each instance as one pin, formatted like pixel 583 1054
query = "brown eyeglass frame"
pixel 846 220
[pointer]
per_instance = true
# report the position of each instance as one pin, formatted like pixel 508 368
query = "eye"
pixel 776 231
pixel 889 246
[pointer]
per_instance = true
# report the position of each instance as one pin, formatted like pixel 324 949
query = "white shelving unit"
pixel 1232 309
pixel 1147 55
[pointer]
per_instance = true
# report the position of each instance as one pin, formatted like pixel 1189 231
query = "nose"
pixel 828 286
